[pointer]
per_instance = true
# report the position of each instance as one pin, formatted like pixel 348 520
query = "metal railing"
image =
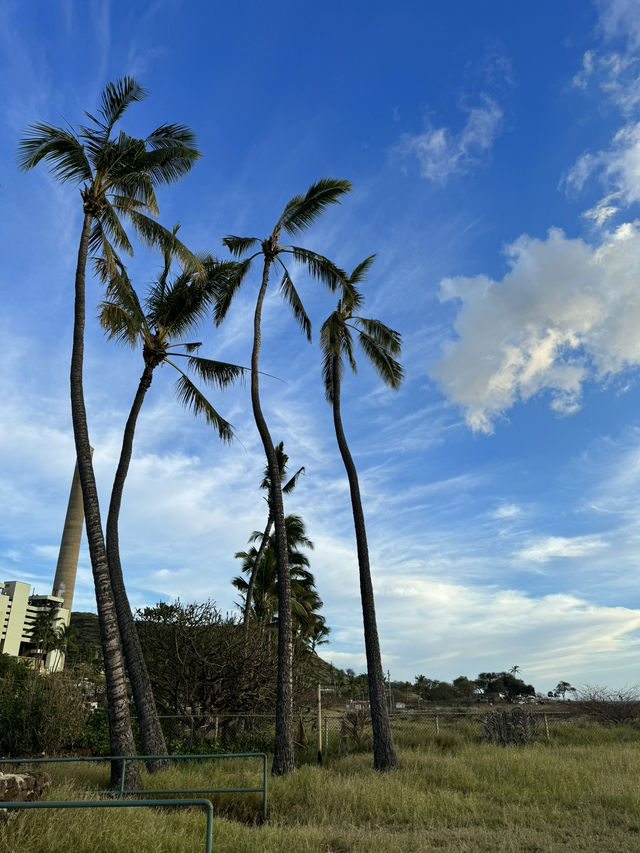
pixel 127 804
pixel 126 758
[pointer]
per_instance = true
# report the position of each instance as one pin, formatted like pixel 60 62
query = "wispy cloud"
pixel 549 547
pixel 442 153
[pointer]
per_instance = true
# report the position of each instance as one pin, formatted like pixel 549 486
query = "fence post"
pixel 319 723
pixel 546 727
pixel 437 725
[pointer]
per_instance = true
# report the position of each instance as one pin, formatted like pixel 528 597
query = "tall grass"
pixel 451 794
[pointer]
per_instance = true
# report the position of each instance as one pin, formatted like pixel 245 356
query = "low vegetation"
pixel 578 793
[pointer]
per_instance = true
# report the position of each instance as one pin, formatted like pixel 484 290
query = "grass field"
pixel 578 793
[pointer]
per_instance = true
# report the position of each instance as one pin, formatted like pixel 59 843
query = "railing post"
pixel 122 774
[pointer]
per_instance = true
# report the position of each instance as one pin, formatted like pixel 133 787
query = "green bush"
pixel 39 712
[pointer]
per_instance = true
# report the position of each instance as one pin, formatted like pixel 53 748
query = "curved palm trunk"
pixel 254 572
pixel 120 734
pixel 283 756
pixel 153 742
pixel 384 755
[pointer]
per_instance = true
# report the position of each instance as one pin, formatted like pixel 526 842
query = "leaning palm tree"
pixel 173 307
pixel 299 213
pixel 287 488
pixel 380 344
pixel 117 175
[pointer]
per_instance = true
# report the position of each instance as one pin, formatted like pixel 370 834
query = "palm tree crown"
pixel 378 342
pixel 118 172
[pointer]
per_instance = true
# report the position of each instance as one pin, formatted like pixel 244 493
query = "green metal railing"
pixel 125 758
pixel 119 804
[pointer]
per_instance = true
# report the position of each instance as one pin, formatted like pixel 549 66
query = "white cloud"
pixel 618 168
pixel 442 153
pixel 550 547
pixel 564 313
pixel 507 510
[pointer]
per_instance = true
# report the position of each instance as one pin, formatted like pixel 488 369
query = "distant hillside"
pixel 87 640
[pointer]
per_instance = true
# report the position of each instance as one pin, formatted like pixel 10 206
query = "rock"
pixel 21 788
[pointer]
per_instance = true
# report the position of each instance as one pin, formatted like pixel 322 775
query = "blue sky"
pixel 495 154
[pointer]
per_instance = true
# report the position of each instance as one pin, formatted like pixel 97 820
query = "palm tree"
pixel 172 308
pixel 299 213
pixel 117 176
pixel 380 344
pixel 264 598
pixel 288 487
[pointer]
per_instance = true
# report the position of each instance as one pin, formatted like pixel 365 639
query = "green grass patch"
pixel 451 794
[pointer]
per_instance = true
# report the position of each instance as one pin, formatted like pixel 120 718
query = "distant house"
pixel 18 613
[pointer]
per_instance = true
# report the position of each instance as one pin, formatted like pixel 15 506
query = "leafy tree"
pixel 117 176
pixel 287 488
pixel 561 689
pixel 172 308
pixel 299 213
pixel 380 344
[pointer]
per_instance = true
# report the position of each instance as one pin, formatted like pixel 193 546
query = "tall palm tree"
pixel 380 344
pixel 172 309
pixel 299 213
pixel 117 176
pixel 287 488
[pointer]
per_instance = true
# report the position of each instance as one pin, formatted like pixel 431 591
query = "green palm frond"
pixel 302 210
pixel 190 347
pixel 390 371
pixel 167 164
pixel 193 399
pixel 116 97
pixel 239 245
pixel 171 135
pixel 360 272
pixel 113 230
pixel 119 325
pixel 319 267
pixel 381 334
pixel 121 292
pixel 219 373
pixel 226 287
pixel 58 147
pixel 290 485
pixel 154 234
pixel 290 294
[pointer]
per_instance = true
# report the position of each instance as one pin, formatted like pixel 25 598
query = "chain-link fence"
pixel 341 730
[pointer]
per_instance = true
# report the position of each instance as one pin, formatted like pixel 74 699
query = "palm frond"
pixel 190 347
pixel 116 97
pixel 381 334
pixel 290 485
pixel 360 272
pixel 290 294
pixel 193 399
pixel 226 287
pixel 167 164
pixel 219 373
pixel 58 147
pixel 114 230
pixel 239 245
pixel 319 267
pixel 154 234
pixel 121 292
pixel 302 210
pixel 390 371
pixel 331 346
pixel 171 135
pixel 119 325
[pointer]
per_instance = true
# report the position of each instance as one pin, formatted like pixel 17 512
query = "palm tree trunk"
pixel 283 756
pixel 153 742
pixel 254 573
pixel 384 755
pixel 120 734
